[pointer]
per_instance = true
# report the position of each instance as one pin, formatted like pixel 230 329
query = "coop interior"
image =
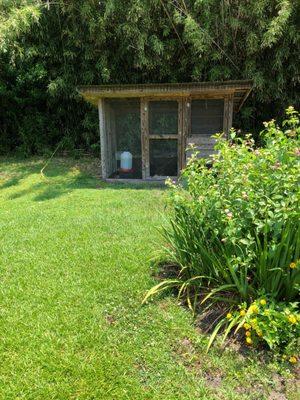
pixel 123 133
pixel 163 148
pixel 124 141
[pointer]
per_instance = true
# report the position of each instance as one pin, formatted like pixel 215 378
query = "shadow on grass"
pixel 13 171
pixel 60 177
pixel 9 183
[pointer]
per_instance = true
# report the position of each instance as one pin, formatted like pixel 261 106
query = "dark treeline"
pixel 49 47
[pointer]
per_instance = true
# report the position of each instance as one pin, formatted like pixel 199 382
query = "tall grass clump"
pixel 234 229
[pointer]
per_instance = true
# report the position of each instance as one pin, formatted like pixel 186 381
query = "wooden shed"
pixel 157 122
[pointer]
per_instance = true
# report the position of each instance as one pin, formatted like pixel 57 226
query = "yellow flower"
pixel 248 341
pixel 253 308
pixel 248 333
pixel 293 360
pixel 292 265
pixel 259 333
pixel 242 313
pixel 263 302
pixel 247 326
pixel 267 312
pixel 292 319
pixel 229 316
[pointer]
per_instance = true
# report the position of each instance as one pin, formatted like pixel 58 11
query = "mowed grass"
pixel 74 267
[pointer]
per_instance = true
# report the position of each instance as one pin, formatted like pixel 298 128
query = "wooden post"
pixel 186 127
pixel 145 138
pixel 103 139
pixel 225 116
pixel 180 134
pixel 228 113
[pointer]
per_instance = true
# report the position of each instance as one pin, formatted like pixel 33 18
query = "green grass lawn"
pixel 74 266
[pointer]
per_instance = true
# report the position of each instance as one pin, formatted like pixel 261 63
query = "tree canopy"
pixel 47 48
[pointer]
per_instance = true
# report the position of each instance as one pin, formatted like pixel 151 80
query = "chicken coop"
pixel 148 127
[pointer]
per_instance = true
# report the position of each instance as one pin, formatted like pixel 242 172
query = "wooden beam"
pixel 208 90
pixel 162 89
pixel 225 116
pixel 244 99
pixel 162 136
pixel 103 139
pixel 186 128
pixel 159 180
pixel 145 138
pixel 180 133
pixel 230 113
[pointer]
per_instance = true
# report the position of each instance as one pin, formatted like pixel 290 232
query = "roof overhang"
pixel 239 90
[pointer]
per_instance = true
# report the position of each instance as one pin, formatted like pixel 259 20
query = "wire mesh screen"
pixel 163 117
pixel 125 133
pixel 207 117
pixel 163 157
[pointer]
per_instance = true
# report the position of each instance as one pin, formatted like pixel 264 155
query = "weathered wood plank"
pixel 165 89
pixel 162 136
pixel 226 115
pixel 188 128
pixel 159 180
pixel 240 89
pixel 180 133
pixel 145 138
pixel 202 140
pixel 230 113
pixel 103 139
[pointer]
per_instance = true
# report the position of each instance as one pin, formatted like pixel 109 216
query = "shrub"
pixel 234 228
pixel 265 321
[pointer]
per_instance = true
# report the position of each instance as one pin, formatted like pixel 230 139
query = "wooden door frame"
pixel 182 132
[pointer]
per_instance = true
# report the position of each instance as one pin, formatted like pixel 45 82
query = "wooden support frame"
pixel 239 88
pixel 228 114
pixel 145 138
pixel 179 136
pixel 158 137
pixel 108 139
pixel 103 137
pixel 186 129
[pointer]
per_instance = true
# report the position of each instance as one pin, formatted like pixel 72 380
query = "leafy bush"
pixel 234 229
pixel 47 50
pixel 266 321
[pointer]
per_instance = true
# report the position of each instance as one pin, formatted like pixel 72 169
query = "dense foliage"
pixel 49 47
pixel 266 321
pixel 235 227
